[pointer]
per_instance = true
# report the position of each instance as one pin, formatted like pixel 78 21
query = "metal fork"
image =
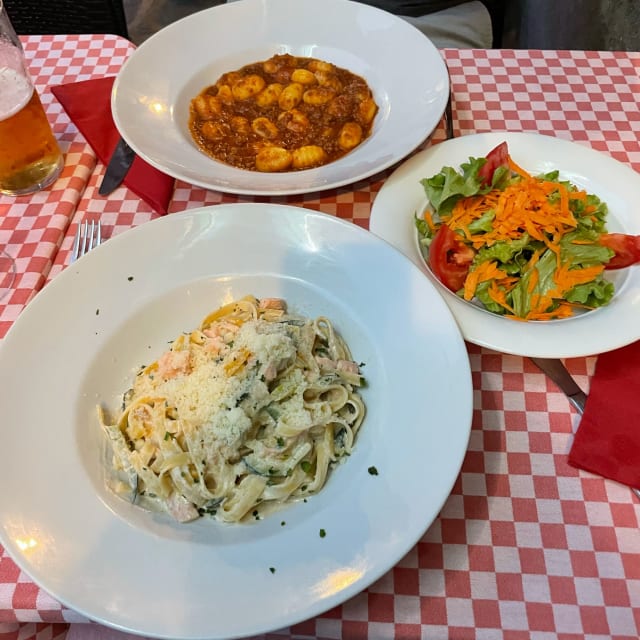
pixel 88 236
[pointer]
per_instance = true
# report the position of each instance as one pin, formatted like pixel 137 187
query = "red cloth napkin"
pixel 608 438
pixel 88 104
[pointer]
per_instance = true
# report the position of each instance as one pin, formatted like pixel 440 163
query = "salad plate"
pixel 402 197
pixel 153 90
pixel 141 572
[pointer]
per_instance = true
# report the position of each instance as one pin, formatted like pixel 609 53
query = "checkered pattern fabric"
pixel 526 547
pixel 32 228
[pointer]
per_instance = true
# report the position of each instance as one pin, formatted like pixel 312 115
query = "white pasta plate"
pixel 152 92
pixel 603 329
pixel 83 337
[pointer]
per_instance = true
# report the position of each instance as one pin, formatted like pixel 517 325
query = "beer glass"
pixel 30 158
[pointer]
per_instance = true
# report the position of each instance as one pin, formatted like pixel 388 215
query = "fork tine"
pixel 96 234
pixel 88 236
pixel 85 232
pixel 76 244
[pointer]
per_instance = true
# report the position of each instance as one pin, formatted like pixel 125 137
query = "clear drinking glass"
pixel 30 158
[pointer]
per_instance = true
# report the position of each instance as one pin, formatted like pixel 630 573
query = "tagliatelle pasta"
pixel 286 113
pixel 252 408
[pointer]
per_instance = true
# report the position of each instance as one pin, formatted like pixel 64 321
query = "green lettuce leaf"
pixel 424 231
pixel 503 251
pixel 483 223
pixel 597 293
pixel 447 187
pixel 520 296
pixel 581 248
pixel 483 296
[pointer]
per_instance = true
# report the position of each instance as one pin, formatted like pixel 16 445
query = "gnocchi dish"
pixel 286 113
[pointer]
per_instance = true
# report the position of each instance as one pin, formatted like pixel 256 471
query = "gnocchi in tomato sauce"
pixel 286 113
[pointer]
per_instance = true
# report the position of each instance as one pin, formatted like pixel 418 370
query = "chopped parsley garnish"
pixel 272 569
pixel 323 533
pixel 372 471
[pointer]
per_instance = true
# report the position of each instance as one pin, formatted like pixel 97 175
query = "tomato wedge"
pixel 450 258
pixel 498 157
pixel 626 248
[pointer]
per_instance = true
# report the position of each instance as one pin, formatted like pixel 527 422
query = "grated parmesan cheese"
pixel 206 392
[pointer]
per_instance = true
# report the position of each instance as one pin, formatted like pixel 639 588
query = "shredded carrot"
pixel 533 261
pixel 498 295
pixel 469 209
pixel 579 241
pixel 485 271
pixel 522 206
pixel 564 310
pixel 540 208
pixel 566 278
pixel 517 168
pixel 428 218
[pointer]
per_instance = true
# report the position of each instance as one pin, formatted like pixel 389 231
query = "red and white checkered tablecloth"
pixel 526 547
pixel 32 227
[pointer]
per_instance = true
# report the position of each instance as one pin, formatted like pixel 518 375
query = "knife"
pixel 121 161
pixel 559 374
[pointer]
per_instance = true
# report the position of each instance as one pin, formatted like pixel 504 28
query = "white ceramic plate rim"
pixel 151 93
pixel 80 341
pixel 402 196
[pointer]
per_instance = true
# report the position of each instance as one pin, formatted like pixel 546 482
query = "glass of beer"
pixel 30 158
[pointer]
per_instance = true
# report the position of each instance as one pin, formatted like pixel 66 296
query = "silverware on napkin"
pixel 555 370
pixel 120 163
